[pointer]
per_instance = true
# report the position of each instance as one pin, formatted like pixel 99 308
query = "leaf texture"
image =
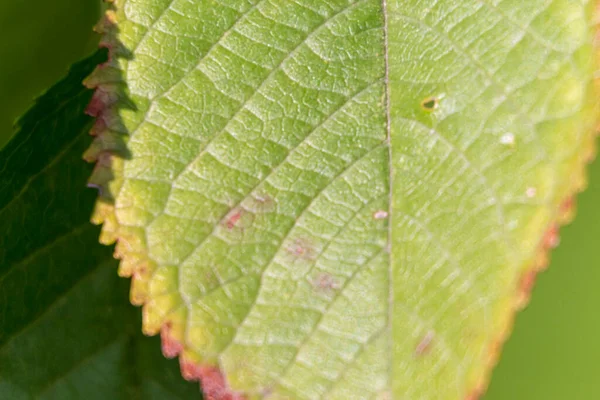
pixel 339 199
pixel 66 330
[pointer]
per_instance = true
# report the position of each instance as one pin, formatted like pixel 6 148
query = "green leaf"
pixel 340 199
pixel 66 330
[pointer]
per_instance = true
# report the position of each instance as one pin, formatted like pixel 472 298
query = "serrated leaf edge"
pixel 107 151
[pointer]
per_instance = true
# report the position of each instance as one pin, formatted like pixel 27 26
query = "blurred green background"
pixel 554 352
pixel 39 39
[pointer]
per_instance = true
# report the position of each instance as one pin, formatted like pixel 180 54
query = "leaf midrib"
pixel 388 128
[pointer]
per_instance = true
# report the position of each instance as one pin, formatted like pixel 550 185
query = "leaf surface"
pixel 66 330
pixel 340 199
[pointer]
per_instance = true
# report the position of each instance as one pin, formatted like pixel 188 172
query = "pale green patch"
pixel 337 199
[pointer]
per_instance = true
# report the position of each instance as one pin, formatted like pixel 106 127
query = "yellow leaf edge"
pixel 564 213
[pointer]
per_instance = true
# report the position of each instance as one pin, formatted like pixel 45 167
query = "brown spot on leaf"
pixel 429 104
pixel 424 346
pixel 325 281
pixel 210 279
pixel 141 270
pixel 212 381
pixel 302 249
pixel 233 218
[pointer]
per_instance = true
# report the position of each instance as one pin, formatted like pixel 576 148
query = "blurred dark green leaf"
pixel 67 330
